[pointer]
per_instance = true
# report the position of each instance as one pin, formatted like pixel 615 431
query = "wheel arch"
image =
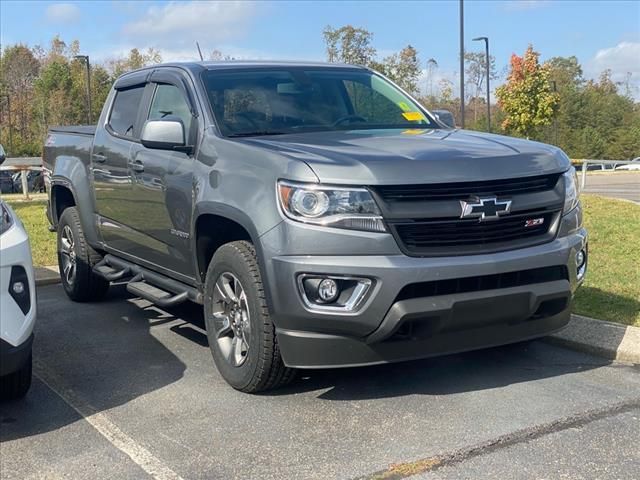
pixel 233 224
pixel 62 197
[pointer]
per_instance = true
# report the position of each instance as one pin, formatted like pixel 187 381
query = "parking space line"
pixel 109 430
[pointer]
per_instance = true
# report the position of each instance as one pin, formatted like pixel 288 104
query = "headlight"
pixel 571 190
pixel 6 219
pixel 338 207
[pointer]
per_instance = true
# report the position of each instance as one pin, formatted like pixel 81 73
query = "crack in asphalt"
pixel 408 469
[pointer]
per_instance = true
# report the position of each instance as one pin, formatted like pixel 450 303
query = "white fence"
pixel 613 163
pixel 22 165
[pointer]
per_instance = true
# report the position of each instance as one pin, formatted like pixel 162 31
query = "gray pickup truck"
pixel 320 214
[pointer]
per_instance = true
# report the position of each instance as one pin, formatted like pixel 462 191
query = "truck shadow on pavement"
pixel 107 354
pixel 478 370
pixel 458 373
pixel 102 355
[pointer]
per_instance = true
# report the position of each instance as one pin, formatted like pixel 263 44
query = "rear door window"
pixel 124 113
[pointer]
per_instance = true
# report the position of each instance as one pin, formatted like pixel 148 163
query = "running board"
pixel 109 273
pixel 147 284
pixel 155 295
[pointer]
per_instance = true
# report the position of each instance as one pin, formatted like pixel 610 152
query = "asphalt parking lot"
pixel 123 389
pixel 623 185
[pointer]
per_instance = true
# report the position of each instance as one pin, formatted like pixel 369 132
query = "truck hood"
pixel 370 157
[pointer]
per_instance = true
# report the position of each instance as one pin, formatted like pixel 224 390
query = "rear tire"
pixel 242 337
pixel 76 260
pixel 16 384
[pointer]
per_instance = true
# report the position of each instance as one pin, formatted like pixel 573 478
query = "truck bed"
pixel 89 130
pixel 72 142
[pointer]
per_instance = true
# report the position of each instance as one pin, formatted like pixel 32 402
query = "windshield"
pixel 266 101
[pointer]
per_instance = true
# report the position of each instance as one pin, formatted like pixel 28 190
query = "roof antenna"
pixel 199 51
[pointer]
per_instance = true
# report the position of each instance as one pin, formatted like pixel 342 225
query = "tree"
pixel 432 66
pixel 566 72
pixel 136 59
pixel 18 71
pixel 476 74
pixel 403 68
pixel 446 90
pixel 217 56
pixel 349 44
pixel 526 97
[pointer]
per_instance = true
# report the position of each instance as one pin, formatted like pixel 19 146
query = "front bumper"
pixel 17 312
pixel 389 328
pixel 13 358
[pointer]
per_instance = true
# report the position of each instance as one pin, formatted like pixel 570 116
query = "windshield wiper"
pixel 258 133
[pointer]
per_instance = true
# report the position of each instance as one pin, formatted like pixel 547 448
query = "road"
pixel 625 185
pixel 125 390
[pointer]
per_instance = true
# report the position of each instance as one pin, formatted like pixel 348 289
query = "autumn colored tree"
pixel 349 44
pixel 403 68
pixel 136 59
pixel 18 72
pixel 527 98
pixel 46 86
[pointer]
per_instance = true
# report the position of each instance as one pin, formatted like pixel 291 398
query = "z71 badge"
pixel 533 222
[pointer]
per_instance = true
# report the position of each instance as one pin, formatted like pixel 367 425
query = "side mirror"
pixel 166 134
pixel 446 117
pixel 3 156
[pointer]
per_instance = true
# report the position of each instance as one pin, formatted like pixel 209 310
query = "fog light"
pixel 581 265
pixel 328 290
pixel 333 294
pixel 18 288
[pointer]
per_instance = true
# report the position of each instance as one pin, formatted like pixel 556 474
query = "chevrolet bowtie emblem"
pixel 485 208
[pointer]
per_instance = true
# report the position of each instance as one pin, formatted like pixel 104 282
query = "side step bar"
pixel 144 283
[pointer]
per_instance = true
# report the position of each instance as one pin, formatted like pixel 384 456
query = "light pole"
pixel 85 58
pixel 486 48
pixel 462 63
pixel 10 124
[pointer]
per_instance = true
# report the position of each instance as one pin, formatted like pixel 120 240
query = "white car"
pixel 635 165
pixel 17 305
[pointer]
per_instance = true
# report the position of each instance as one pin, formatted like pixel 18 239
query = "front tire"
pixel 76 260
pixel 16 384
pixel 242 337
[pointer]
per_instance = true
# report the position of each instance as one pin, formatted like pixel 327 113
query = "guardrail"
pixel 584 167
pixel 22 165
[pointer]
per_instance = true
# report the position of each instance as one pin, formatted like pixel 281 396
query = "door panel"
pixel 162 182
pixel 162 186
pixel 115 201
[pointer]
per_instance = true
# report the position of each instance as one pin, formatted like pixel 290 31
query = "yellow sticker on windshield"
pixel 413 116
pixel 404 106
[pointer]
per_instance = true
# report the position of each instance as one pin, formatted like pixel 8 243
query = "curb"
pixel 598 337
pixel 49 275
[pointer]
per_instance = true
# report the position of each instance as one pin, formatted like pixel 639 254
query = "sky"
pixel 602 34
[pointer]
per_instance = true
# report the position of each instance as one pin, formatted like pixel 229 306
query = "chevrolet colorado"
pixel 321 215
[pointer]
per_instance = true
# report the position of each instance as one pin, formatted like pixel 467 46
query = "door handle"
pixel 99 158
pixel 137 166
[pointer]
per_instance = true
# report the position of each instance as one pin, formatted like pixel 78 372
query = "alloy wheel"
pixel 231 319
pixel 67 249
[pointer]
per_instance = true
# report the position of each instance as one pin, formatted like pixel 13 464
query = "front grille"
pixel 483 282
pixel 423 236
pixel 462 190
pixel 425 219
